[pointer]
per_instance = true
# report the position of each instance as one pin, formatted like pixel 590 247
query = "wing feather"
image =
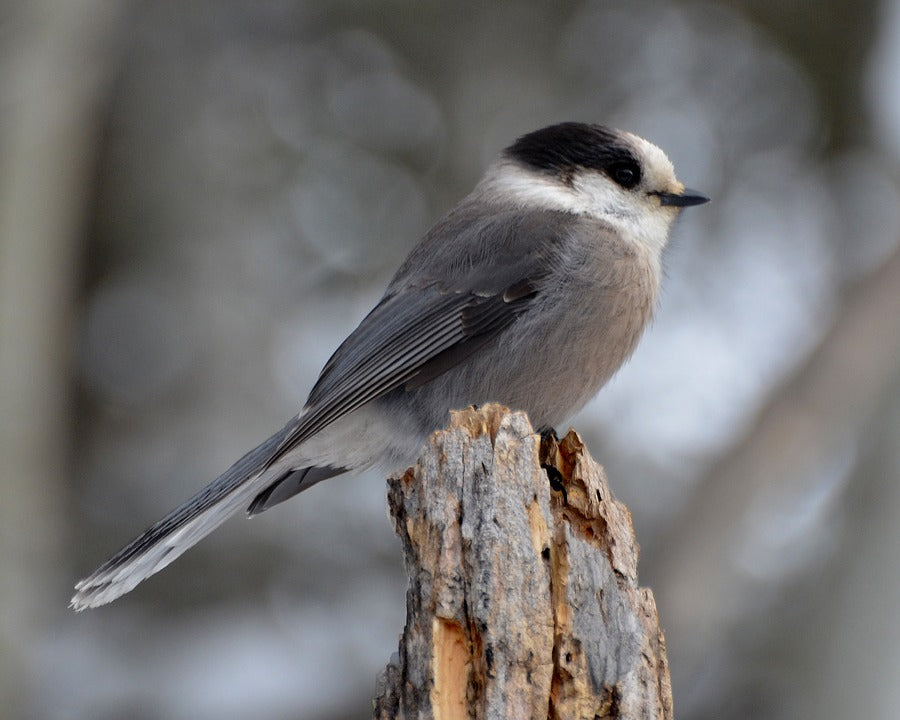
pixel 419 330
pixel 434 330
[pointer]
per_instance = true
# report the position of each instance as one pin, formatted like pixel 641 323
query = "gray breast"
pixel 589 317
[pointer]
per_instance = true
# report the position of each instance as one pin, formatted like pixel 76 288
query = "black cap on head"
pixel 564 148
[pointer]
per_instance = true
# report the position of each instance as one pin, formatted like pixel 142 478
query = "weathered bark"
pixel 523 601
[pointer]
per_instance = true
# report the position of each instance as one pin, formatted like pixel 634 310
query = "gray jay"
pixel 531 292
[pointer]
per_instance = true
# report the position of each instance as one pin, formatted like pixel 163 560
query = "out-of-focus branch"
pixel 522 602
pixel 55 63
pixel 811 425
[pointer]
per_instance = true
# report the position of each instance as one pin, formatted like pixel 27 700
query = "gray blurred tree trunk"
pixel 815 424
pixel 854 653
pixel 56 65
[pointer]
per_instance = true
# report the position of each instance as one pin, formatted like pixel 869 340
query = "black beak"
pixel 686 199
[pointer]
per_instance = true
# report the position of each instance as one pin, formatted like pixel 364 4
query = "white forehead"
pixel 659 173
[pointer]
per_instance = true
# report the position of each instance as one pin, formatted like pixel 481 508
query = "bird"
pixel 531 292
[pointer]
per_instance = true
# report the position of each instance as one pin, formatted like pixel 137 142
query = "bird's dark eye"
pixel 626 174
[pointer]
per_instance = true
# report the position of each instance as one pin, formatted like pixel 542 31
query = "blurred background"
pixel 199 200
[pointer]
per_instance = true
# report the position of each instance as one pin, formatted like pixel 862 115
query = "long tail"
pixel 161 543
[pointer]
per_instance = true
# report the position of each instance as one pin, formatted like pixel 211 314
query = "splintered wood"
pixel 523 600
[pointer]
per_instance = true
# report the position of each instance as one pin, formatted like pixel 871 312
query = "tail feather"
pixel 291 484
pixel 164 541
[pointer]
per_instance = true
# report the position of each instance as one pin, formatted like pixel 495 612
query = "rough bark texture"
pixel 523 600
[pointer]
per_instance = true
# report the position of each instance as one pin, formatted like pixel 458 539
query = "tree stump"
pixel 523 600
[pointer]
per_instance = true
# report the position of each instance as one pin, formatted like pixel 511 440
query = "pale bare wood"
pixel 523 601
